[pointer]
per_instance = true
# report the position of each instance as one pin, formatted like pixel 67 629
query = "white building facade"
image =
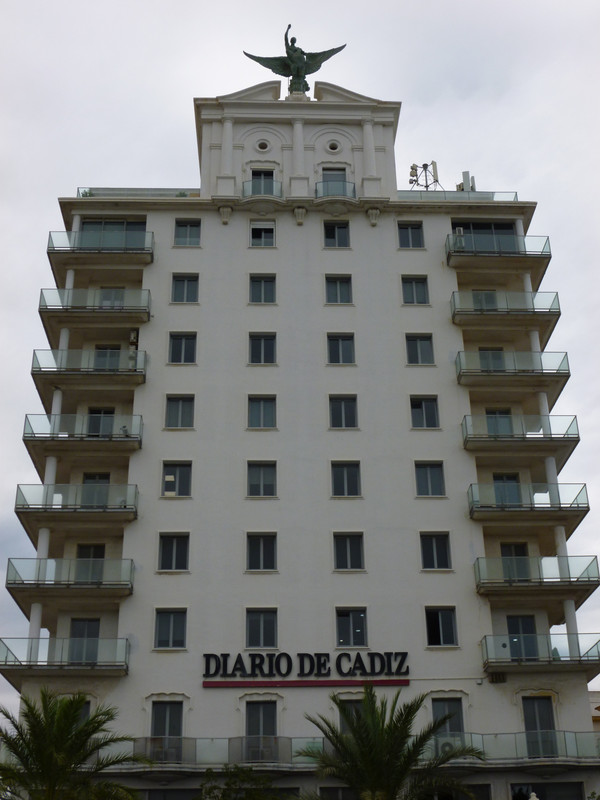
pixel 298 435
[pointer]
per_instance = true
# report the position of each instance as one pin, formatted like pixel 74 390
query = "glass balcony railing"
pixel 541 648
pixel 497 244
pixel 84 497
pixel 55 572
pixel 508 496
pixel 83 426
pixel 261 187
pixel 529 427
pixel 540 570
pixel 93 361
pixel 118 300
pixel 64 652
pixel 236 750
pixel 496 302
pixel 524 745
pixel 335 189
pixel 476 362
pixel 114 241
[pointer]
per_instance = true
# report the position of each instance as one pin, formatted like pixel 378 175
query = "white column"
pixel 519 229
pixel 35 627
pixel 50 470
pixel 527 287
pixel 63 339
pixel 369 163
pixel 298 148
pixel 76 222
pixel 43 545
pixel 69 279
pixel 534 340
pixel 227 147
pixel 56 401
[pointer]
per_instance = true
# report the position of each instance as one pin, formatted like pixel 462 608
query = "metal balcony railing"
pixel 72 496
pixel 53 652
pixel 83 426
pixel 261 187
pixel 101 241
pixel 481 362
pixel 519 427
pixel 528 496
pixel 498 302
pixel 89 361
pixel 539 570
pixel 117 300
pixel 335 189
pixel 541 648
pixel 57 572
pixel 497 244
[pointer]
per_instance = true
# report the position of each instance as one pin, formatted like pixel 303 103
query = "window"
pixel 351 627
pixel 184 289
pixel 173 551
pixel 430 479
pixel 261 479
pixel 261 627
pixel 342 411
pixel 182 348
pixel 540 733
pixel 348 551
pixel 170 628
pixel 261 725
pixel 410 235
pixel 441 626
pixel 338 290
pixel 262 288
pixel 167 719
pixel 112 234
pixel 435 551
pixel 262 348
pixel 340 348
pixel 337 234
pixel 352 708
pixel 415 291
pixel 261 551
pixel 419 348
pixel 424 412
pixel 261 412
pixel 262 181
pixel 345 477
pixel 187 233
pixel 177 480
pixel 180 412
pixel 448 706
pixel 262 234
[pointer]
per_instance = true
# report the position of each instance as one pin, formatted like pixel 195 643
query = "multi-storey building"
pixel 348 468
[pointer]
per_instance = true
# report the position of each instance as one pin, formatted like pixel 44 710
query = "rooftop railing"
pixel 537 570
pixel 118 300
pixel 497 244
pixel 63 652
pixel 56 572
pixel 509 496
pixel 93 361
pixel 510 362
pixel 541 648
pixel 335 189
pixel 499 302
pixel 120 192
pixel 101 241
pixel 72 496
pixel 83 426
pixel 458 197
pixel 522 427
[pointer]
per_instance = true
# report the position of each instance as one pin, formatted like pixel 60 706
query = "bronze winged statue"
pixel 295 64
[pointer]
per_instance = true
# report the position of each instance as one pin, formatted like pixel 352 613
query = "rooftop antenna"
pixel 425 176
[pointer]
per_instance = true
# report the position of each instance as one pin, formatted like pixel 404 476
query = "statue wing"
pixel 314 60
pixel 280 65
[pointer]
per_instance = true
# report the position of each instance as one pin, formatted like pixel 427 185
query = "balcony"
pixel 506 311
pixel 90 434
pixel 516 435
pixel 529 652
pixel 480 253
pixel 98 246
pixel 60 308
pixel 552 579
pixel 569 746
pixel 530 503
pixel 261 187
pixel 335 189
pixel 74 505
pixel 507 370
pixel 52 657
pixel 105 369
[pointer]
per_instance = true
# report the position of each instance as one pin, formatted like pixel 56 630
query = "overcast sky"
pixel 100 94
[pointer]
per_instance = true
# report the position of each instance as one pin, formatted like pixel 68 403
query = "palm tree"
pixel 53 752
pixel 378 754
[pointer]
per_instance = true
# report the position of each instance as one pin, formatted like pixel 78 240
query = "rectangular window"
pixel 173 551
pixel 345 478
pixel 262 288
pixel 187 232
pixel 167 719
pixel 262 181
pixel 261 551
pixel 448 706
pixel 352 708
pixel 261 412
pixel 170 628
pixel 177 480
pixel 184 289
pixel 441 627
pixel 415 291
pixel 262 233
pixel 351 627
pixel 338 290
pixel 348 551
pixel 419 348
pixel 337 234
pixel 261 727
pixel 424 412
pixel 180 412
pixel 261 627
pixel 262 478
pixel 410 235
pixel 262 348
pixel 435 551
pixel 340 348
pixel 430 479
pixel 182 348
pixel 342 411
